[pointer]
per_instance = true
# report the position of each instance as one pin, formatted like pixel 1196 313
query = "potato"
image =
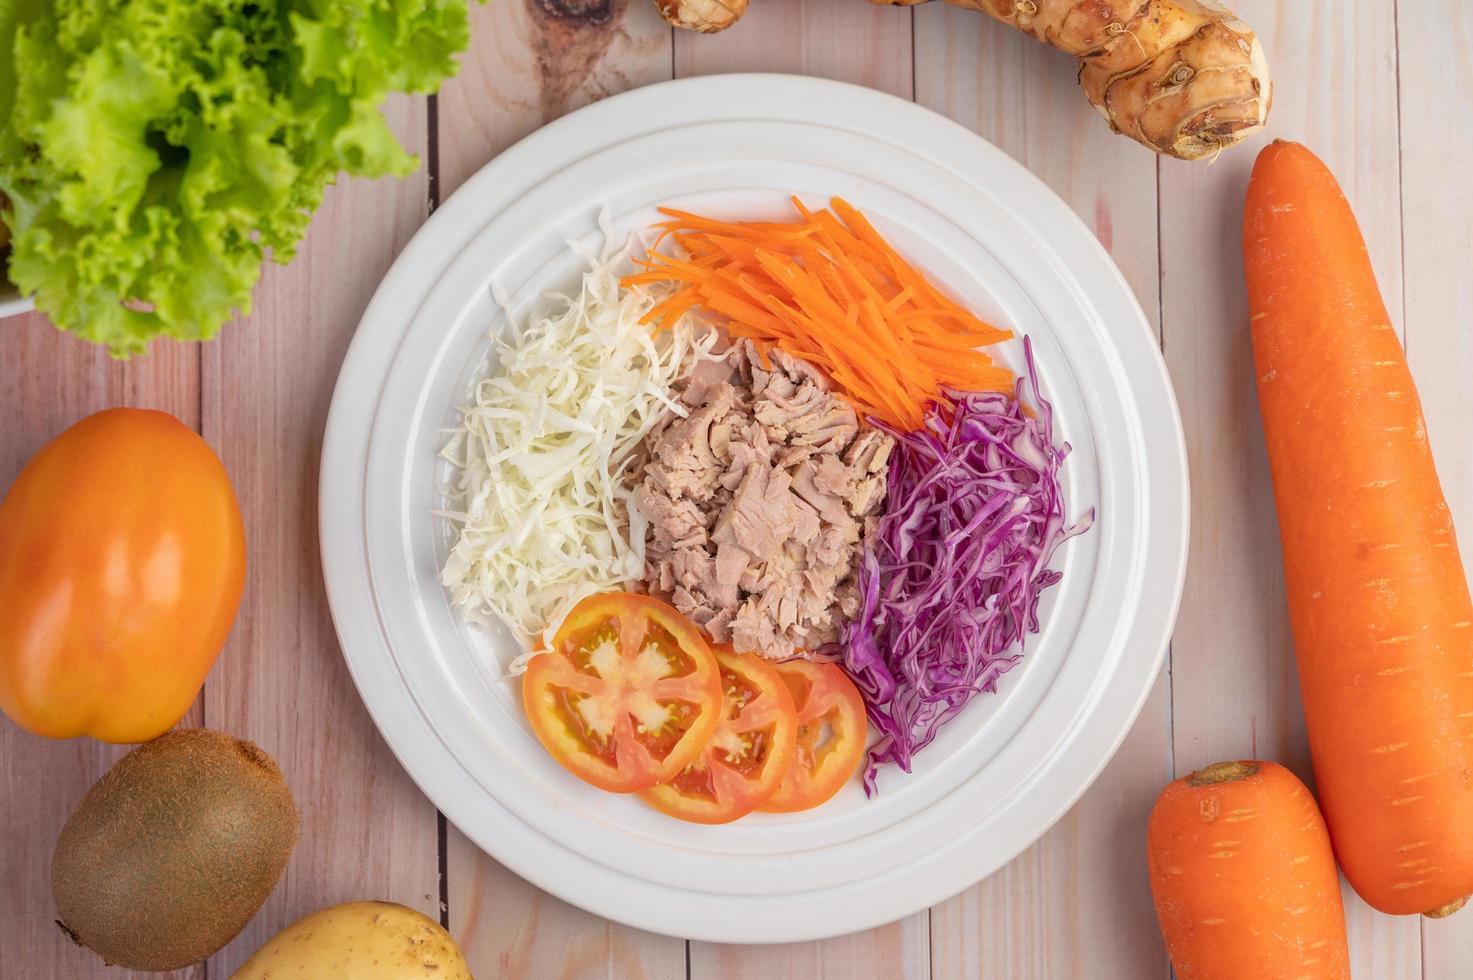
pixel 359 941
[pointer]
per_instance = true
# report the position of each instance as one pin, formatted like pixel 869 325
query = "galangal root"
pixel 706 16
pixel 1184 77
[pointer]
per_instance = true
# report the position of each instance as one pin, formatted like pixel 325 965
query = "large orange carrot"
pixel 1244 879
pixel 1378 599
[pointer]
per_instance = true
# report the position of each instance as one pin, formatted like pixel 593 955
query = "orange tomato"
pixel 122 559
pixel 831 735
pixel 627 695
pixel 748 754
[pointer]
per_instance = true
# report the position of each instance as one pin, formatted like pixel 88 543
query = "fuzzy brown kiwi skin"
pixel 173 850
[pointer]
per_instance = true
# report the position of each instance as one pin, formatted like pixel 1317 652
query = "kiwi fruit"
pixel 173 850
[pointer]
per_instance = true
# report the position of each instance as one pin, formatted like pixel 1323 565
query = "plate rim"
pixel 12 303
pixel 339 536
pixel 402 492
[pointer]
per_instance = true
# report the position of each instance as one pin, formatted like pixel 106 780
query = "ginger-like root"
pixel 1184 77
pixel 706 16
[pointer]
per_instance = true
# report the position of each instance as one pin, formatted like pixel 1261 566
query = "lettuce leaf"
pixel 155 151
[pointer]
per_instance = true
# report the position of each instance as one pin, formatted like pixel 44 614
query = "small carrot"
pixel 1244 879
pixel 828 287
pixel 1378 599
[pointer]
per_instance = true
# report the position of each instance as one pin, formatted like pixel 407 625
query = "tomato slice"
pixel 747 755
pixel 832 732
pixel 628 694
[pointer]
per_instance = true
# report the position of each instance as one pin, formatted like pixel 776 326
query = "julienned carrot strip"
pixel 730 305
pixel 833 229
pixel 900 299
pixel 861 350
pixel 1378 598
pixel 677 304
pixel 829 288
pixel 835 283
pixel 863 361
pixel 995 379
pixel 867 234
pixel 900 354
pixel 753 229
pixel 951 362
pixel 1244 879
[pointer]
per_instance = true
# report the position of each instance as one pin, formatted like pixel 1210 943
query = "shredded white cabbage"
pixel 544 518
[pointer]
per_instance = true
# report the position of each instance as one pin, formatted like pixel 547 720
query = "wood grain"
pixel 51 381
pixel 841 39
pixel 525 69
pixel 367 832
pixel 899 951
pixel 1234 686
pixel 512 930
pixel 1435 41
pixel 1083 886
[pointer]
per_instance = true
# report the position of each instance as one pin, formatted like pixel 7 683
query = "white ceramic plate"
pixel 11 302
pixel 1005 769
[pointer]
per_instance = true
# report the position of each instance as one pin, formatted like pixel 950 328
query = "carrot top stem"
pixel 1443 911
pixel 1222 772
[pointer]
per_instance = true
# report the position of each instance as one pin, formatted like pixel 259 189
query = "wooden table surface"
pixel 1376 87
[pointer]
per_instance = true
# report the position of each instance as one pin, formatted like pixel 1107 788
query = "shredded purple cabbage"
pixel 951 579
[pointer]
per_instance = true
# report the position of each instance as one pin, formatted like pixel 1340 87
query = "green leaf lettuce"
pixel 153 151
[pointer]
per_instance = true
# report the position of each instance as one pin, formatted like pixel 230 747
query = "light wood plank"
pixel 869 46
pixel 367 831
pixel 899 951
pixel 1081 889
pixel 51 381
pixel 842 39
pixel 1435 41
pixel 1077 903
pixel 512 930
pixel 1235 690
pixel 524 69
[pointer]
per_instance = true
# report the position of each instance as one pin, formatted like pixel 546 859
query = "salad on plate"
pixel 762 507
